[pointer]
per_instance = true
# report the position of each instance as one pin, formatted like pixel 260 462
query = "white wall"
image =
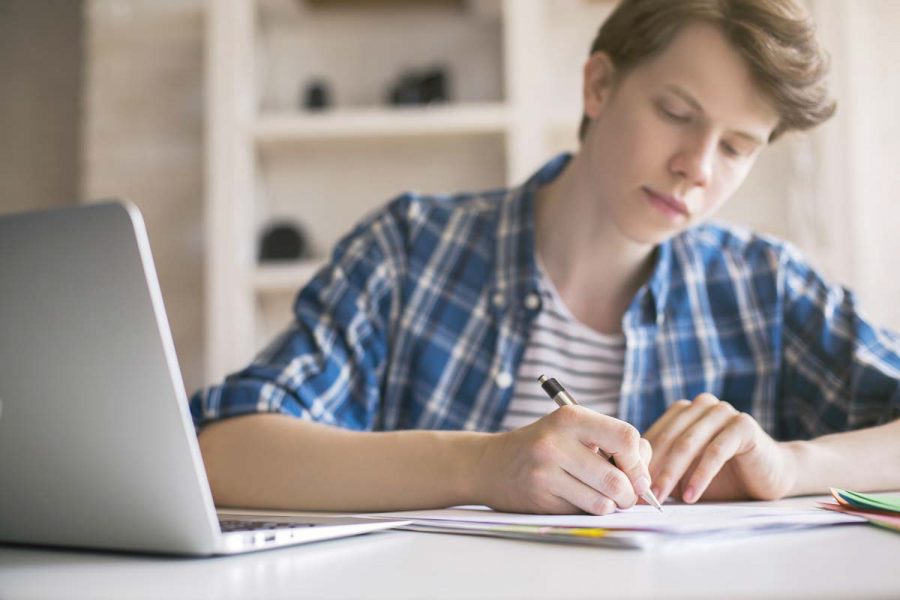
pixel 40 89
pixel 143 140
pixel 853 216
pixel 874 199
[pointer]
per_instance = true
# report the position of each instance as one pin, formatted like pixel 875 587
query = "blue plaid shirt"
pixel 420 322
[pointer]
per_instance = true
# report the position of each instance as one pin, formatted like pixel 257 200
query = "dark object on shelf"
pixel 316 95
pixel 282 241
pixel 420 87
pixel 357 4
pixel 433 84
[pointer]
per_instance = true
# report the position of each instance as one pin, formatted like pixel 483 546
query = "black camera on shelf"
pixel 282 241
pixel 420 87
pixel 316 95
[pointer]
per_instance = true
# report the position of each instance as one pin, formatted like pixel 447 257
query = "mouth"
pixel 670 205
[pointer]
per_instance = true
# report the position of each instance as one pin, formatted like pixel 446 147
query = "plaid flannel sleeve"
pixel 327 365
pixel 840 371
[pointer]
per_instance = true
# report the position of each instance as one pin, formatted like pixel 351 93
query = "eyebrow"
pixel 684 95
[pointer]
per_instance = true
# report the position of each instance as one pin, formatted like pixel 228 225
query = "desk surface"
pixel 831 562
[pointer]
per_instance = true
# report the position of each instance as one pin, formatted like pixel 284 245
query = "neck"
pixel 595 268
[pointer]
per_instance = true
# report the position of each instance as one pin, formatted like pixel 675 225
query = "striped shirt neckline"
pixel 590 364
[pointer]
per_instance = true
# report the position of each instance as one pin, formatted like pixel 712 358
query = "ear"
pixel 599 77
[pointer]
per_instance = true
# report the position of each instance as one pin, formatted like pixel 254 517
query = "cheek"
pixel 725 183
pixel 635 145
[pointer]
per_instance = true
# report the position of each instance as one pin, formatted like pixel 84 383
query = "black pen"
pixel 559 395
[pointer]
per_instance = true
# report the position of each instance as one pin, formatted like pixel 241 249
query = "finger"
pixel 680 415
pixel 646 451
pixel 684 450
pixel 679 420
pixel 663 422
pixel 561 506
pixel 583 497
pixel 725 446
pixel 646 454
pixel 688 446
pixel 618 439
pixel 595 471
pixel 666 430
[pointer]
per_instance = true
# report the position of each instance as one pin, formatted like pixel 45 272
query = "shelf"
pixel 268 157
pixel 382 122
pixel 285 277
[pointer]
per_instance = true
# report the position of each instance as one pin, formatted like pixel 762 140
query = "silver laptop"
pixel 97 447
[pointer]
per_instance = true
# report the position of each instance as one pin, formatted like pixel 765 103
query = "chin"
pixel 653 237
pixel 646 230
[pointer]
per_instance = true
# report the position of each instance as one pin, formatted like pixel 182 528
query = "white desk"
pixel 834 562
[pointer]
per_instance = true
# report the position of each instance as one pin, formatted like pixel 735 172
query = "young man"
pixel 408 379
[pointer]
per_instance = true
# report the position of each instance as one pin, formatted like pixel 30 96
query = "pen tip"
pixel 652 501
pixel 542 378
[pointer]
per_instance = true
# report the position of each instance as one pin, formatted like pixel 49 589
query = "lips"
pixel 673 203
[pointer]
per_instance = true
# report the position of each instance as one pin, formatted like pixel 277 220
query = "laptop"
pixel 97 446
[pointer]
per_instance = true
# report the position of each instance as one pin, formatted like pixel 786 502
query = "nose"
pixel 694 160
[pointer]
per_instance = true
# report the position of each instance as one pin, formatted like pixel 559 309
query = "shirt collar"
pixel 516 269
pixel 661 278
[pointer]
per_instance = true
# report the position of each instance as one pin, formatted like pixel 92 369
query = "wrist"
pixel 809 466
pixel 791 460
pixel 473 473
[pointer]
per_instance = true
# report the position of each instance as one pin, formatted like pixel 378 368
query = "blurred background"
pixel 252 134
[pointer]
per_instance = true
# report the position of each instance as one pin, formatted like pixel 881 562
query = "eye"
pixel 736 150
pixel 730 150
pixel 673 115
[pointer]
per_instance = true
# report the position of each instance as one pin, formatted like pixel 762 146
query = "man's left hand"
pixel 706 448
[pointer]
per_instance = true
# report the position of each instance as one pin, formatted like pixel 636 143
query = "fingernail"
pixel 642 484
pixel 689 494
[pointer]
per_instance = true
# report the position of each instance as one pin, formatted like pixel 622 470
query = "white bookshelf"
pixel 515 70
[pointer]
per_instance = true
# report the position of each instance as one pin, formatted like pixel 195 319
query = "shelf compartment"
pixel 329 186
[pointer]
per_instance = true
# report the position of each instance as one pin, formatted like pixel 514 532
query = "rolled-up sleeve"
pixel 840 371
pixel 327 365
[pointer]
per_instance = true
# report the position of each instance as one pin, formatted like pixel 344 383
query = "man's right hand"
pixel 551 466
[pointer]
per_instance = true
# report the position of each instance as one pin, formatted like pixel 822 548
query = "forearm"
pixel 864 460
pixel 279 462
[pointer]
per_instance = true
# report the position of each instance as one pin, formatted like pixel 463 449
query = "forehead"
pixel 701 61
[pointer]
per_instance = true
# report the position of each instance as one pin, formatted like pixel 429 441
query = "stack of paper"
pixel 878 510
pixel 639 527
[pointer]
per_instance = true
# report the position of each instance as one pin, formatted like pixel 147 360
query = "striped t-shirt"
pixel 589 364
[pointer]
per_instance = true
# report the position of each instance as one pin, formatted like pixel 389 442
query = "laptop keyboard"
pixel 229 526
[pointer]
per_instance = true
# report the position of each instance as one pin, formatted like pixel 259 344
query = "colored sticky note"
pixel 880 518
pixel 866 501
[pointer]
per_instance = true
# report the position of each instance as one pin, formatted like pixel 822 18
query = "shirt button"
pixel 503 380
pixel 498 300
pixel 532 302
pixel 660 319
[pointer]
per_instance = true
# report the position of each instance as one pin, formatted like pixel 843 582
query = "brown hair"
pixel 776 38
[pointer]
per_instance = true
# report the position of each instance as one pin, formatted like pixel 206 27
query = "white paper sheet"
pixel 675 519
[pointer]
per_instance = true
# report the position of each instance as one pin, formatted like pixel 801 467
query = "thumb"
pixel 646 451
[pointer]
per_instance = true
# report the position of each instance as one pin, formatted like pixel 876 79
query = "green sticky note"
pixel 869 502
